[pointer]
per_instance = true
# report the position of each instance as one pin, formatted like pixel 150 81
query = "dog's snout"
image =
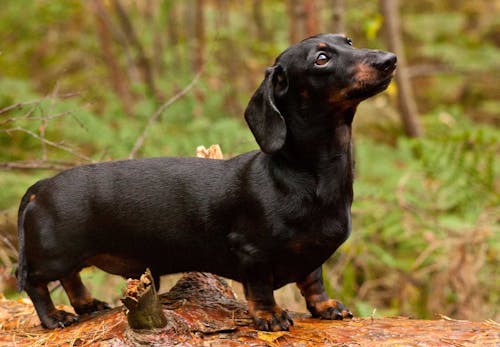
pixel 386 62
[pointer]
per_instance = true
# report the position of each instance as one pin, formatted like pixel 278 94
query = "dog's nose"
pixel 386 62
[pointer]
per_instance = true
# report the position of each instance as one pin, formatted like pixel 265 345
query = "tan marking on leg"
pixel 325 305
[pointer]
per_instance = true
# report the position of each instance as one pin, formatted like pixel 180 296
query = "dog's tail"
pixel 22 268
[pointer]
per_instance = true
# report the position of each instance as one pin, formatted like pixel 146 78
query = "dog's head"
pixel 321 74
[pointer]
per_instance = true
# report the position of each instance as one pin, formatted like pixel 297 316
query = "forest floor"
pixel 203 311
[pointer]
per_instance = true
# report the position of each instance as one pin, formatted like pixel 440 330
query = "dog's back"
pixel 157 212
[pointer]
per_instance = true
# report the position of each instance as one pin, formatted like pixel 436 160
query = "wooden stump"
pixel 143 308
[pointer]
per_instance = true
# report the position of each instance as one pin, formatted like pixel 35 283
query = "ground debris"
pixel 202 310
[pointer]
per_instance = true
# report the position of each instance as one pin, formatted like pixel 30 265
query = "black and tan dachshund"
pixel 265 218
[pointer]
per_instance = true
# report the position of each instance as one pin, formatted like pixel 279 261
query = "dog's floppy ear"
pixel 263 117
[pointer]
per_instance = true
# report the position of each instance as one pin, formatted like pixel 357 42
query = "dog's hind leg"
pixel 79 296
pixel 50 317
pixel 318 302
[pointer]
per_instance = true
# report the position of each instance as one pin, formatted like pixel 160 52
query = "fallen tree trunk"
pixel 202 310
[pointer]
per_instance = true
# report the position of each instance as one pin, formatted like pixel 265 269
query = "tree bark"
pixel 406 99
pixel 338 16
pixel 222 18
pixel 156 16
pixel 199 29
pixel 296 20
pixel 172 25
pixel 144 310
pixel 142 60
pixel 258 20
pixel 311 17
pixel 202 310
pixel 118 78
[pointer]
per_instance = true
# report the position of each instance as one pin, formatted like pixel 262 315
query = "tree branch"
pixel 154 117
pixel 38 165
pixel 20 105
pixel 47 142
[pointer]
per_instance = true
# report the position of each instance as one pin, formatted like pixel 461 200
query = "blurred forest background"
pixel 81 80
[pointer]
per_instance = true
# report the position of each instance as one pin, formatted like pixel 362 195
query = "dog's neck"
pixel 321 138
pixel 321 148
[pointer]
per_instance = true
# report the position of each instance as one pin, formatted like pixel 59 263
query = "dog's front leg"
pixel 318 302
pixel 266 314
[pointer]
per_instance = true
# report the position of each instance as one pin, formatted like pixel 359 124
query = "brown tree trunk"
pixel 296 28
pixel 117 77
pixel 258 20
pixel 142 60
pixel 199 51
pixel 199 31
pixel 311 17
pixel 155 16
pixel 406 99
pixel 202 310
pixel 338 16
pixel 172 22
pixel 222 18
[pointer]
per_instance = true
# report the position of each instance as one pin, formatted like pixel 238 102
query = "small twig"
pixel 44 123
pixel 9 244
pixel 372 316
pixel 423 70
pixel 5 259
pixel 48 142
pixel 20 105
pixel 38 165
pixel 442 316
pixel 68 95
pixel 58 115
pixel 154 117
pixel 492 323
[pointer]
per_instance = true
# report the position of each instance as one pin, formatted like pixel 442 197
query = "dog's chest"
pixel 320 232
pixel 307 247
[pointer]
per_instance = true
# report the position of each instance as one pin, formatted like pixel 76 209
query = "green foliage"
pixel 14 185
pixel 424 223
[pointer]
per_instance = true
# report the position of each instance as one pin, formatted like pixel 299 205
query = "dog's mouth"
pixel 383 83
pixel 367 89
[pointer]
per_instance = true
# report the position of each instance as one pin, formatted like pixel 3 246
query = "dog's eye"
pixel 321 59
pixel 348 41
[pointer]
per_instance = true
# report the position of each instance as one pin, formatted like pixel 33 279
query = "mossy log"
pixel 202 310
pixel 143 308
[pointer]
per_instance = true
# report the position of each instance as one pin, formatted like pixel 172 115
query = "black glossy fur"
pixel 265 218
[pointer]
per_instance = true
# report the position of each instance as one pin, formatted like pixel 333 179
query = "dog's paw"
pixel 329 309
pixel 93 306
pixel 59 319
pixel 275 320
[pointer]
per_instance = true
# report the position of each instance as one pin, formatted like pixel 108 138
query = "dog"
pixel 265 218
